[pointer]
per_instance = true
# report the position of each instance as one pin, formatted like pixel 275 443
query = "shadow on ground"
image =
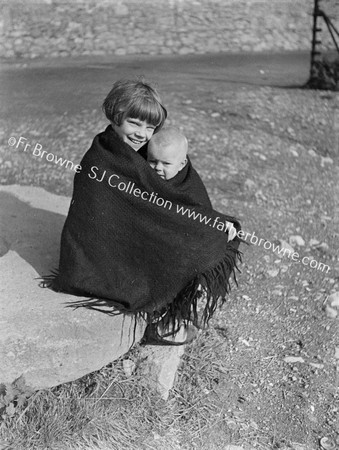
pixel 31 232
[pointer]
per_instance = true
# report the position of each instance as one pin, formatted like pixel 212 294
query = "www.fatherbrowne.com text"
pixel 283 251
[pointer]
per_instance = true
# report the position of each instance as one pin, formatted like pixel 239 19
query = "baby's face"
pixel 166 161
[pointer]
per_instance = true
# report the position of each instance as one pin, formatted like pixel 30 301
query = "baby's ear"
pixel 184 162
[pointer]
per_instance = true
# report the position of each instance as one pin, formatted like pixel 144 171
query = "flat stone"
pixel 41 338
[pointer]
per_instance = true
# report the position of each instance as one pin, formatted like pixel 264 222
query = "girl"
pixel 125 241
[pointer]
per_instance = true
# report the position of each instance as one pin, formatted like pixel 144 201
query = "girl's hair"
pixel 134 99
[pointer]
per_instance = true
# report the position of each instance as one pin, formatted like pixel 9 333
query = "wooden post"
pixel 315 53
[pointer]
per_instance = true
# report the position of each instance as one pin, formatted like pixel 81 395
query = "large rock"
pixel 41 337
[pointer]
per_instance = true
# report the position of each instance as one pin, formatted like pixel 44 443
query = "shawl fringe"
pixel 210 287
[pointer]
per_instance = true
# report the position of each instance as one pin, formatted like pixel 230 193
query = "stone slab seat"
pixel 40 338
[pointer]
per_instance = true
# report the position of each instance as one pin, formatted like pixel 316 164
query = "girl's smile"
pixel 134 132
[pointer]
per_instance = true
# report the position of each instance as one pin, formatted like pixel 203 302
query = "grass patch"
pixel 108 410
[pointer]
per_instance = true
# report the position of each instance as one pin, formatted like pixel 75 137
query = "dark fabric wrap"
pixel 142 256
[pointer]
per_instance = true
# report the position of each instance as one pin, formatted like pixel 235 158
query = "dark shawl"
pixel 142 257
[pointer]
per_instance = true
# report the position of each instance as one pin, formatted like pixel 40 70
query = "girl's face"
pixel 134 132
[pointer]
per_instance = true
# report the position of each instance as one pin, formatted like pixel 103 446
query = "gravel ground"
pixel 270 157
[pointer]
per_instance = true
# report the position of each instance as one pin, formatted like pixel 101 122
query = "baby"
pixel 167 152
pixel 167 155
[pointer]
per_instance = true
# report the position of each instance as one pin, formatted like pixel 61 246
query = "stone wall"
pixel 54 28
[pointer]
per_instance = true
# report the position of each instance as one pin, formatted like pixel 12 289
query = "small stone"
pixel 331 313
pixel 336 353
pixel 323 247
pixel 260 196
pixel 160 363
pixel 296 240
pixel 273 272
pixel 333 299
pixel 128 366
pixel 156 436
pixel 249 184
pixel 313 243
pixel 294 152
pixel 293 359
pixel 317 366
pixel 215 114
pixel 312 153
pixel 325 160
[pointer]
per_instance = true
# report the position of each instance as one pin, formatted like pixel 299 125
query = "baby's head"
pixel 167 152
